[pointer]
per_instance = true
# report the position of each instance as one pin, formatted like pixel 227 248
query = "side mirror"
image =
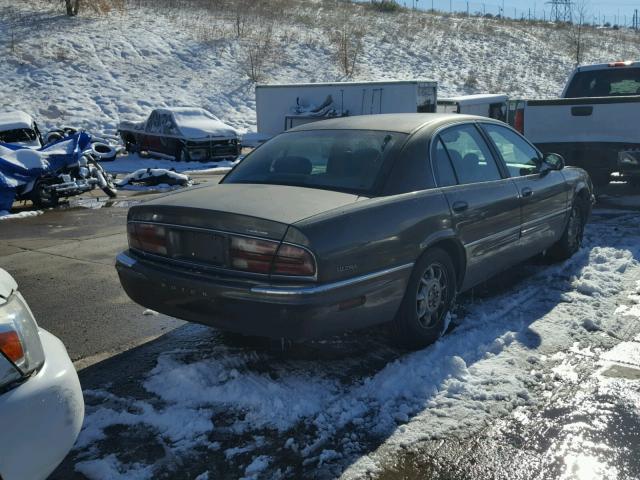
pixel 551 161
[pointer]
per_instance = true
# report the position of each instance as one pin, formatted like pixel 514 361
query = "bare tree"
pixel 576 31
pixel 72 6
pixel 259 52
pixel 348 42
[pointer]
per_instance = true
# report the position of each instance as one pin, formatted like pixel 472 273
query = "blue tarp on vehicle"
pixel 21 166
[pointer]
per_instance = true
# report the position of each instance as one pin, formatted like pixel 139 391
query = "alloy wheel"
pixel 431 297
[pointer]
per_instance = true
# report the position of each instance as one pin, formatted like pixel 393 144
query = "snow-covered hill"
pixel 96 69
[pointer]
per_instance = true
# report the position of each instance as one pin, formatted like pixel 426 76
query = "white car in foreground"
pixel 41 403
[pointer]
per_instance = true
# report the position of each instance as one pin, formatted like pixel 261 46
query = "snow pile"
pixel 5 215
pixel 158 178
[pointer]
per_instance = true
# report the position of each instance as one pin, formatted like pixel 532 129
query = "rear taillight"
pixel 265 256
pixel 518 122
pixel 148 237
pixel 292 260
pixel 252 255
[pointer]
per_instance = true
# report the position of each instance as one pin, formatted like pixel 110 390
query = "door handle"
pixel 459 206
pixel 526 192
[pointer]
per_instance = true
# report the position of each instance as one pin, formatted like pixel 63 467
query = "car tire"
pixel 41 198
pixel 103 151
pixel 571 239
pixel 424 313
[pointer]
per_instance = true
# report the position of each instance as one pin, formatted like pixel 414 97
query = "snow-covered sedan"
pixel 41 403
pixel 183 133
pixel 19 128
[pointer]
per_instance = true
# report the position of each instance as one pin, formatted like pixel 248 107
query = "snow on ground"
pixel 4 215
pixel 96 70
pixel 282 417
pixel 132 162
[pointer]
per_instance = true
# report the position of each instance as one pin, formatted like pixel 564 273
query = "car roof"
pixel 15 119
pixel 389 122
pixel 184 111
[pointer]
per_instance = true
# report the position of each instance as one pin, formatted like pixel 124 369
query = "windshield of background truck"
pixel 614 81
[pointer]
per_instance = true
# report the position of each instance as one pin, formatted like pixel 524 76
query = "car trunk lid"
pixel 198 225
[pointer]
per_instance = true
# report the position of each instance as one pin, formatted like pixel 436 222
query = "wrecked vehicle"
pixel 355 221
pixel 185 134
pixel 19 128
pixel 153 177
pixel 43 176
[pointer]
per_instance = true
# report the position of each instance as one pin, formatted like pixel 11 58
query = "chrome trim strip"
pixel 531 224
pixel 495 236
pixel 522 228
pixel 295 291
pixel 126 260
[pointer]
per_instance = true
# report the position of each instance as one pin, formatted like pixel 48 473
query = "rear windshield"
pixel 615 81
pixel 18 135
pixel 342 160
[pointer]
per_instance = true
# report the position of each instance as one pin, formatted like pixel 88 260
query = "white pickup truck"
pixel 594 125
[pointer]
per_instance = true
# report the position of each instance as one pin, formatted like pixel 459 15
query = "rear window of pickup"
pixel 605 83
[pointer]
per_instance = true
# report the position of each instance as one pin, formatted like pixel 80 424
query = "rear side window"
pixel 520 157
pixel 442 166
pixel 614 81
pixel 470 156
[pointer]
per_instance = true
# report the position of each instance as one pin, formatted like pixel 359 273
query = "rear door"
pixel 484 201
pixel 543 198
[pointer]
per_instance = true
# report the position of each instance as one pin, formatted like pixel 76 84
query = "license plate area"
pixel 201 247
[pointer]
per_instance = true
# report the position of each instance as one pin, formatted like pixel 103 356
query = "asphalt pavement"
pixel 64 262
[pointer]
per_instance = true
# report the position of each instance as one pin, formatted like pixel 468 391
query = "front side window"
pixel 342 160
pixel 470 156
pixel 520 157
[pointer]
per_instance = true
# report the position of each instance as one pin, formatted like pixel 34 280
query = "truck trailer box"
pixel 281 107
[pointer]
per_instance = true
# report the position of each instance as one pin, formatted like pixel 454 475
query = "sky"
pixel 604 11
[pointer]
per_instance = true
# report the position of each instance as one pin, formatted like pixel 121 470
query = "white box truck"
pixel 281 107
pixel 484 105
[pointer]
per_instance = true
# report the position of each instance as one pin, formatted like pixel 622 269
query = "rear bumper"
pixel 253 308
pixel 41 418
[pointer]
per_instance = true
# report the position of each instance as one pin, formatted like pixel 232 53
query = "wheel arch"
pixel 448 242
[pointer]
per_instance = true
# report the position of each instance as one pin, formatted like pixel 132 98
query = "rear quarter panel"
pixel 376 234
